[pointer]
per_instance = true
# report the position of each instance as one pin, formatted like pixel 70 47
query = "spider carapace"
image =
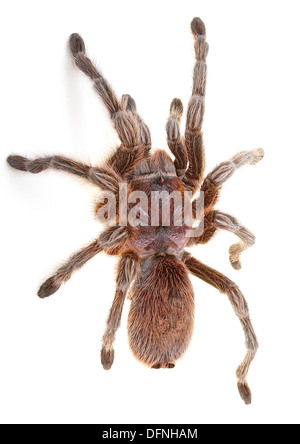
pixel 153 267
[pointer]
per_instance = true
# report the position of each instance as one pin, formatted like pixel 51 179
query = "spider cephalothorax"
pixel 151 251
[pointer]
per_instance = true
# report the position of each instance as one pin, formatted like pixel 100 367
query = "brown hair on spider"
pixel 152 259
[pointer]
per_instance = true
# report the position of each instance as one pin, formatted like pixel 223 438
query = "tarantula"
pixel 152 259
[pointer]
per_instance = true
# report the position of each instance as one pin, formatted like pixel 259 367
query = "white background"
pixel 50 366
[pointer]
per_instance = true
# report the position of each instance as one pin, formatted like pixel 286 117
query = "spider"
pixel 153 263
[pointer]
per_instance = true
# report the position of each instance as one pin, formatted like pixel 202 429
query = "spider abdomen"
pixel 161 317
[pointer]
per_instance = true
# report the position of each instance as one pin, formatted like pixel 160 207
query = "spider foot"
pixel 198 27
pixel 245 392
pixel 76 44
pixel 17 162
pixel 128 103
pixel 234 257
pixel 176 107
pixel 258 154
pixel 107 357
pixel 235 264
pixel 49 287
